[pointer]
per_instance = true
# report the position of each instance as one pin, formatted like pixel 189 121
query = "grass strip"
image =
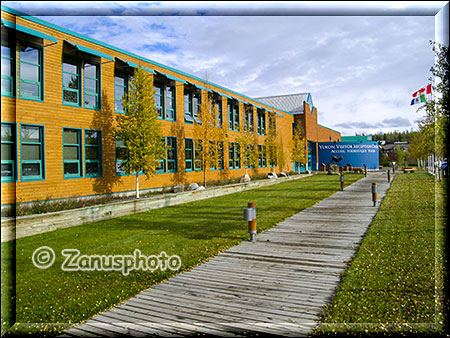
pixel 194 231
pixel 393 283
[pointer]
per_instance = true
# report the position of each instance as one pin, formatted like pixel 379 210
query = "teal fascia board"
pixel 149 70
pixel 27 30
pixel 90 51
pixel 199 87
pixel 172 77
pixel 224 95
pixel 67 31
pixel 129 63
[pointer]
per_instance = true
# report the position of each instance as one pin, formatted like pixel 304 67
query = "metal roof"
pixel 292 103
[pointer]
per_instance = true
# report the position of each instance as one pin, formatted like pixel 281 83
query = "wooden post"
pixel 374 193
pixel 252 223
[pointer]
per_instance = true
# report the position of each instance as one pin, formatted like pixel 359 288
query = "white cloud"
pixel 358 69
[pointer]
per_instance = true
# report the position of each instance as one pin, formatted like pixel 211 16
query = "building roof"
pixel 365 138
pixel 292 103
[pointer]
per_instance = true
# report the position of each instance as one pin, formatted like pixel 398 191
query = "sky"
pixel 361 61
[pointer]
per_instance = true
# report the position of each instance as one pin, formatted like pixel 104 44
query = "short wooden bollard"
pixel 250 216
pixel 389 175
pixel 342 179
pixel 374 193
pixel 365 170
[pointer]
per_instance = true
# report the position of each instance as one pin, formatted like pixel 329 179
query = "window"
pixel 233 116
pixel 32 152
pixel 120 89
pixel 30 59
pixel 248 119
pixel 261 116
pixel 198 156
pixel 8 152
pixel 93 153
pixel 121 155
pixel 262 156
pixel 188 113
pixel 248 156
pixel 272 123
pixel 8 68
pixel 170 103
pixel 91 86
pixel 218 106
pixel 219 149
pixel 159 100
pixel 72 153
pixel 71 81
pixel 189 154
pixel 234 155
pixel 169 163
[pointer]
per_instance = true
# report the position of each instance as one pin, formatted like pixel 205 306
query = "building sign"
pixel 355 154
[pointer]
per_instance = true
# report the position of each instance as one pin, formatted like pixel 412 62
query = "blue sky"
pixel 360 70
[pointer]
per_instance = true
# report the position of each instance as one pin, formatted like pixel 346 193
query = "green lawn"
pixel 193 231
pixel 395 281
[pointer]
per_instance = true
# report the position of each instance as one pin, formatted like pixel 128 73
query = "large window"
pixel 248 119
pixel 120 89
pixel 32 152
pixel 8 68
pixel 121 155
pixel 8 152
pixel 218 156
pixel 93 153
pixel 191 106
pixel 31 74
pixel 218 106
pixel 233 116
pixel 261 116
pixel 71 81
pixel 234 155
pixel 170 103
pixel 91 85
pixel 262 160
pixel 159 100
pixel 72 153
pixel 169 163
pixel 189 154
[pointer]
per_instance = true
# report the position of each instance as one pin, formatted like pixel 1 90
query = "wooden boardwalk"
pixel 275 286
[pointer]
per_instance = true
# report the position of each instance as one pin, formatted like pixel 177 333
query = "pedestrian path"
pixel 277 285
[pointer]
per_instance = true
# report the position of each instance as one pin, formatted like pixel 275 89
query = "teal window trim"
pixel 78 145
pixel 261 116
pixel 262 156
pixel 11 58
pixel 189 149
pixel 40 67
pixel 233 116
pixel 97 93
pixel 218 103
pixel 99 160
pixel 13 161
pixel 188 113
pixel 198 146
pixel 40 162
pixel 118 161
pixel 221 165
pixel 159 100
pixel 250 149
pixel 172 156
pixel 249 121
pixel 71 60
pixel 123 76
pixel 170 103
pixel 234 156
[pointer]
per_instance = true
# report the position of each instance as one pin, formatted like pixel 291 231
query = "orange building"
pixel 61 94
